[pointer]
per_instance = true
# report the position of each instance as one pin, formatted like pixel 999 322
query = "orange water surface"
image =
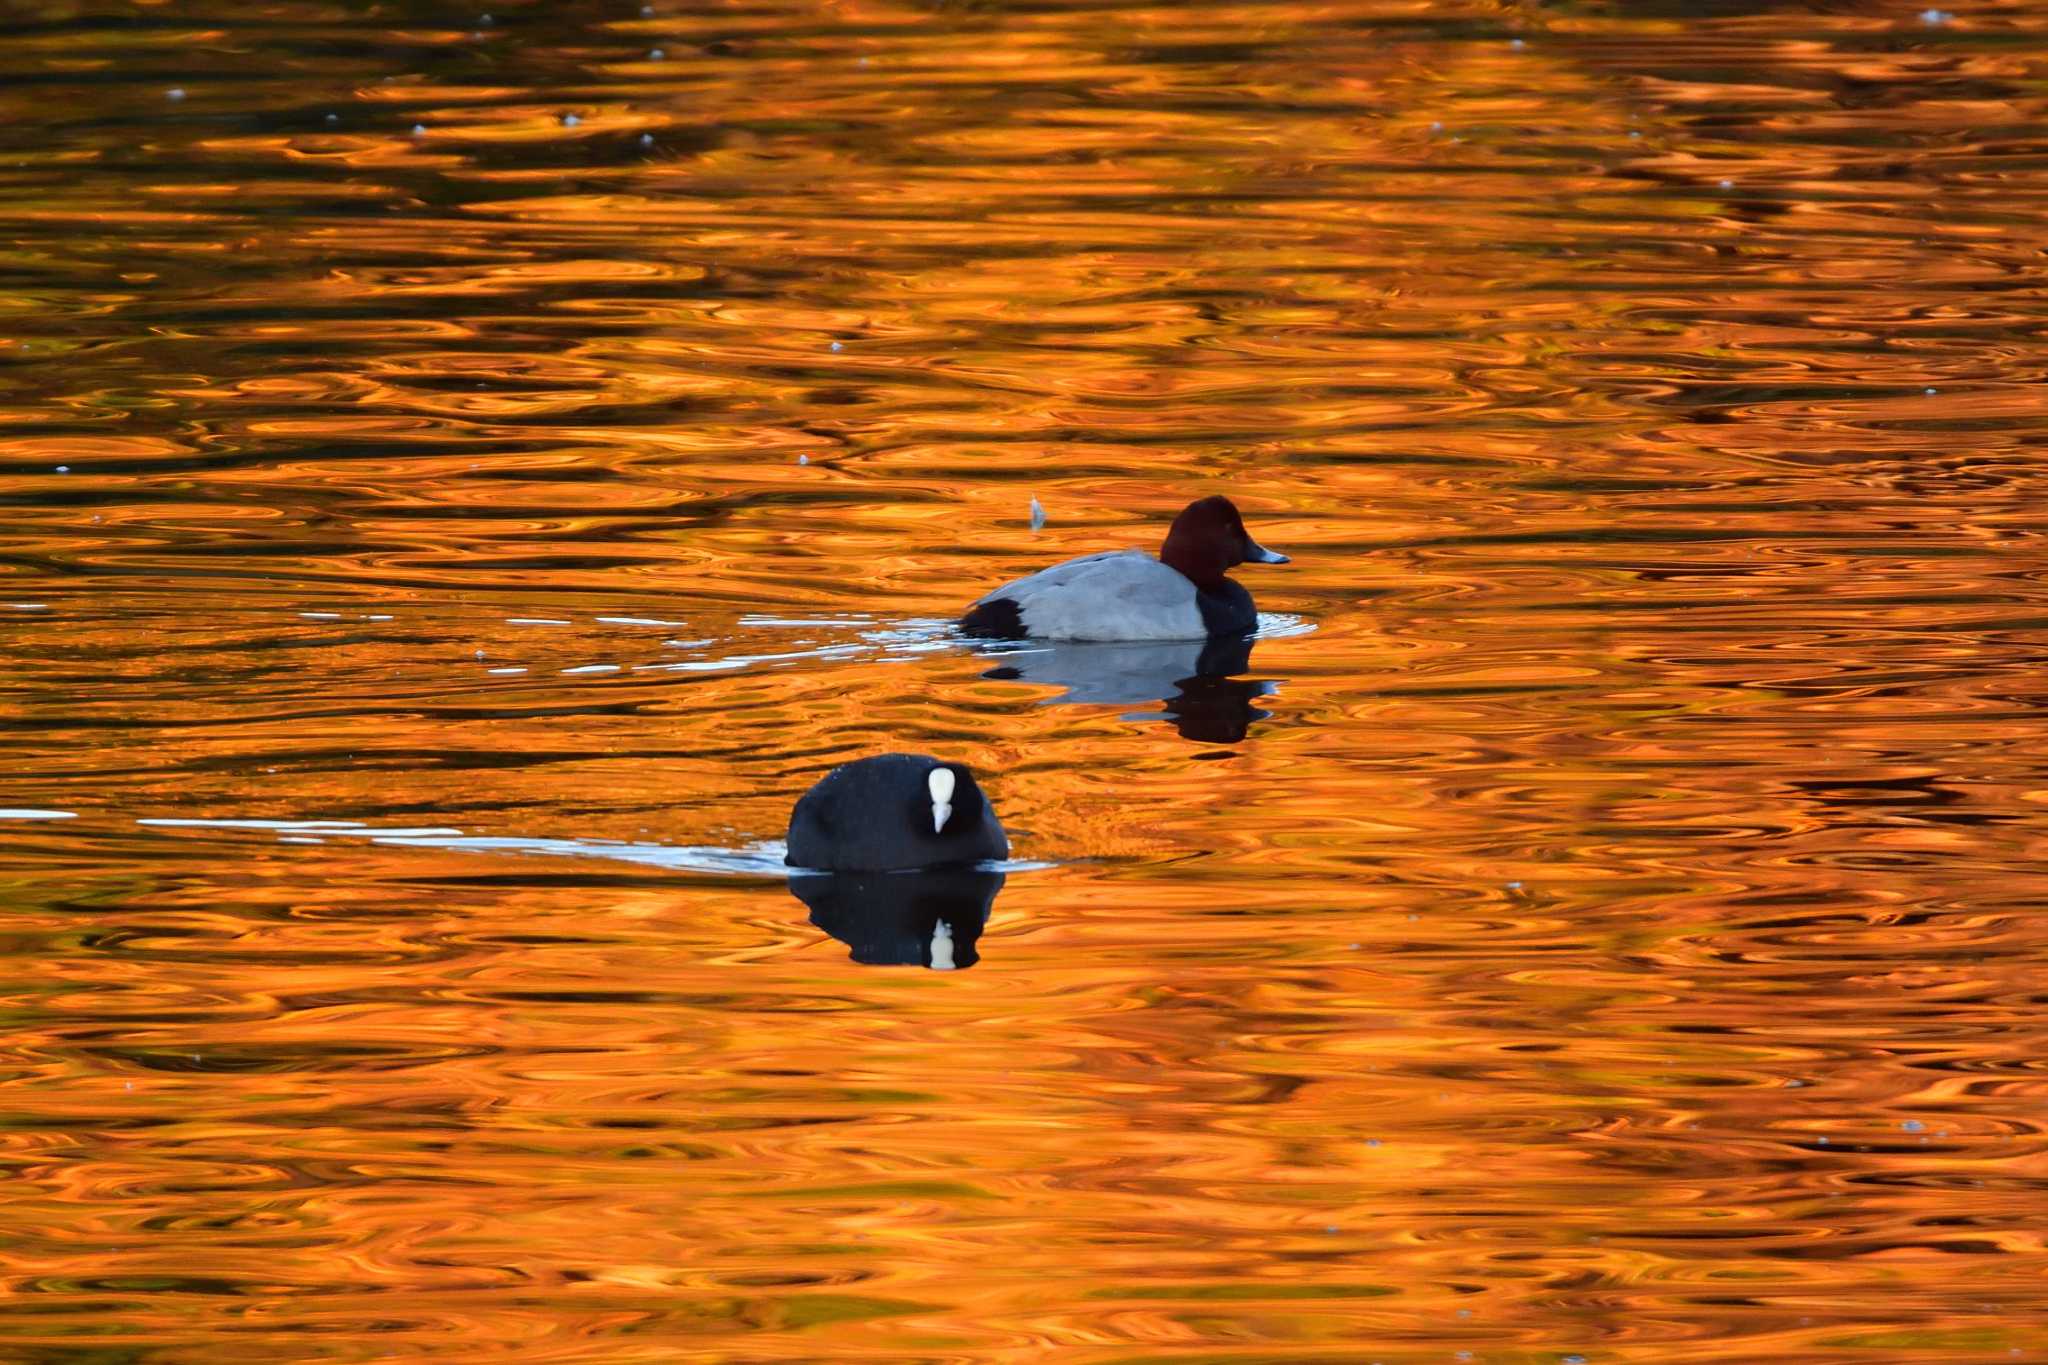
pixel 462 476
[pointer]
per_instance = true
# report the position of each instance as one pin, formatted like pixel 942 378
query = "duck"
pixel 894 813
pixel 1129 595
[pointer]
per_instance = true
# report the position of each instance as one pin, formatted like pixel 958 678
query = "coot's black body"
pixel 893 918
pixel 876 815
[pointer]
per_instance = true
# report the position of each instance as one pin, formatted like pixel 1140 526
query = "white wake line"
pixel 762 858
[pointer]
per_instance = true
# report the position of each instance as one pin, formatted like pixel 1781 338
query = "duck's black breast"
pixel 996 618
pixel 1227 608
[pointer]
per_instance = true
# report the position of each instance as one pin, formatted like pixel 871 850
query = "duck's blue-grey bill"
pixel 1261 555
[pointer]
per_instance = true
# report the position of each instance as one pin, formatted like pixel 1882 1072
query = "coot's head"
pixel 955 803
pixel 1208 539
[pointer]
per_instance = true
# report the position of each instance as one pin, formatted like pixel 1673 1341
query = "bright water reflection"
pixel 435 444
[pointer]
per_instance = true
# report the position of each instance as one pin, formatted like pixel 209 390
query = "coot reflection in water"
pixel 1196 679
pixel 930 918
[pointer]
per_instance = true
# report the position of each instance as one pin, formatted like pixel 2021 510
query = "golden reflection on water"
pixel 463 480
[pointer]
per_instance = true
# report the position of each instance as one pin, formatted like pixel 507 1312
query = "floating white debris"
pixel 593 668
pixel 838 346
pixel 534 621
pixel 28 606
pixel 1727 184
pixel 655 54
pixel 570 120
pixel 1037 514
pixel 504 672
pixel 63 469
pixel 1935 17
pixel 31 813
pixel 638 621
pixel 380 618
pixel 803 459
pixel 1517 44
pixel 175 93
pixel 646 139
pixel 321 615
pixel 1932 392
pixel 419 130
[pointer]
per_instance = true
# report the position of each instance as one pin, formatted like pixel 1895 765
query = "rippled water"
pixel 463 478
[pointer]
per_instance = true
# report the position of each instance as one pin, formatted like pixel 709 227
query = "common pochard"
pixel 1129 595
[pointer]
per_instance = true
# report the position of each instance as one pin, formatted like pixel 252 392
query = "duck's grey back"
pixel 1118 595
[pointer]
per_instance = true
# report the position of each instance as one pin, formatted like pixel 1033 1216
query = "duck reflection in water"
pixel 1196 679
pixel 931 918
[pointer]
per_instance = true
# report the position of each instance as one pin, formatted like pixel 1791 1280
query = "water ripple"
pixel 462 482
